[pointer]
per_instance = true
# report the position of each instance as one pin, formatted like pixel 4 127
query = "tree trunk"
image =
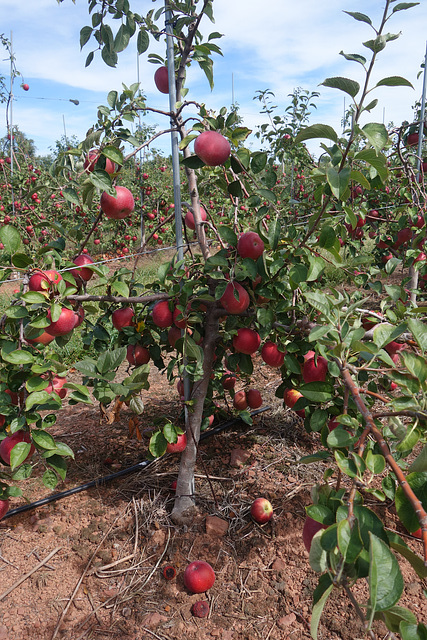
pixel 185 508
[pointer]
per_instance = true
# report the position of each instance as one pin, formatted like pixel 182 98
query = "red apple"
pixel 239 401
pixel 179 445
pixel 122 317
pixel 161 79
pixel 91 160
pixel 7 444
pixel 311 527
pixel 119 207
pixel 85 273
pixel 229 301
pixel 290 397
pixel 4 508
pixel 250 245
pixel 200 609
pixel 229 382
pixel 254 398
pixel 162 315
pixel 43 338
pixel 25 87
pixel 65 323
pixel 271 355
pixel 137 355
pixel 174 334
pixel 412 140
pixel 199 576
pixel 43 280
pixel 315 372
pixel 189 218
pixel 56 384
pixel 178 319
pixel 212 148
pixel 261 510
pixel 246 341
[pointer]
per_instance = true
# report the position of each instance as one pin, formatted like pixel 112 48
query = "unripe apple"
pixel 254 398
pixel 7 444
pixel 85 273
pixel 229 301
pixel 250 245
pixel 315 372
pixel 189 218
pixel 137 355
pixel 246 341
pixel 65 323
pixel 119 207
pixel 179 445
pixel 261 510
pixel 161 79
pixel 199 576
pixel 122 317
pixel 271 355
pixel 212 148
pixel 162 315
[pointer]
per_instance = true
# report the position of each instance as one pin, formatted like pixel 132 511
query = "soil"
pixel 111 543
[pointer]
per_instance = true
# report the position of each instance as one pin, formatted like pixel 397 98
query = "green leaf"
pixel 318 607
pixel 404 5
pixel 416 365
pixel 71 195
pixel 100 179
pixel 376 45
pixel 122 38
pixel 317 131
pixel 21 260
pixel 339 438
pixel 85 34
pixel 317 391
pixel 50 479
pixel 113 153
pixel 136 405
pixel 418 330
pixel 420 462
pixel 193 162
pixel 235 189
pixel 357 176
pixel 318 557
pixel 143 41
pixel 16 312
pixel 343 84
pixel 410 631
pixel 394 81
pixel 227 235
pixel 379 162
pixel 355 57
pixel 347 465
pixel 338 180
pixel 360 17
pixel 385 333
pixel 405 511
pixel 393 617
pixel 39 398
pixel 349 540
pixel 10 237
pixel 110 360
pixel 43 439
pixel 158 444
pixel 121 288
pixel 258 161
pixel 34 297
pixel 18 356
pixel 18 454
pixel 315 457
pixel 266 194
pixel 58 464
pixel 377 135
pixel 385 579
pixel 375 462
pixel 87 367
pixel 316 268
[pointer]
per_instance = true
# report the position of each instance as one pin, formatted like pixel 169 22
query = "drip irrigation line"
pixel 98 482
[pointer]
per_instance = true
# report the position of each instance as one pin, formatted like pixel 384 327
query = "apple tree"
pixel 243 289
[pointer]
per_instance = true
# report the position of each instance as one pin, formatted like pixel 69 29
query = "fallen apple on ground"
pixel 199 576
pixel 261 510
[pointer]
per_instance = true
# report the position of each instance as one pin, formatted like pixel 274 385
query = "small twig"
pixel 30 573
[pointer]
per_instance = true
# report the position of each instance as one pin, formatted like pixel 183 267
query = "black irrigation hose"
pixel 124 472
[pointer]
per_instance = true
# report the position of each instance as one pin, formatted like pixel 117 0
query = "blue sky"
pixel 279 45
